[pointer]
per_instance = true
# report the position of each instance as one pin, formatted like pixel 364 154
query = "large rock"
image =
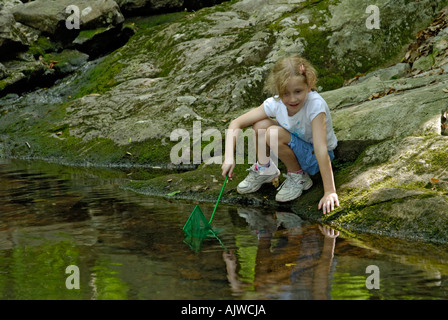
pixel 50 16
pixel 430 48
pixel 221 56
pixel 12 39
pixel 359 116
pixel 399 184
pixel 33 48
pixel 355 45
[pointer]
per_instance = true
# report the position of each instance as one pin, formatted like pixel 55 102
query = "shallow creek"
pixel 129 246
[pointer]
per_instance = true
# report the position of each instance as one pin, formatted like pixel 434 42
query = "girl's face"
pixel 295 94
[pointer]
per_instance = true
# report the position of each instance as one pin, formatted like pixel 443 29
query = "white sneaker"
pixel 257 177
pixel 293 186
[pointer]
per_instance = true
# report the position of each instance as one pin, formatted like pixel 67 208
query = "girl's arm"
pixel 235 126
pixel 330 198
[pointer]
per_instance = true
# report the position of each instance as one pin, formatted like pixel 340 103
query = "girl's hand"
pixel 227 168
pixel 328 202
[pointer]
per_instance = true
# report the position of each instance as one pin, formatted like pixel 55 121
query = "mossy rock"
pixel 66 61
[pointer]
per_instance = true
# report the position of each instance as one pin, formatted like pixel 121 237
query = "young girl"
pixel 302 132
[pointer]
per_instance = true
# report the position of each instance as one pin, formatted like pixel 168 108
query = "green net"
pixel 197 225
pixel 198 228
pixel 195 243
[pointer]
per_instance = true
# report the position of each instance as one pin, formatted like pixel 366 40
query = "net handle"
pixel 219 197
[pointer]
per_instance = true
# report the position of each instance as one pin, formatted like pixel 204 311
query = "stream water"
pixel 130 246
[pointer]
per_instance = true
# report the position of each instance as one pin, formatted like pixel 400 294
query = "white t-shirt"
pixel 300 123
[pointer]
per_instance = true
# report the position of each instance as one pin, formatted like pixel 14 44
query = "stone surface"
pixel 50 16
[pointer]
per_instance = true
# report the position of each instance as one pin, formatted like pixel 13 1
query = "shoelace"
pixel 252 173
pixel 289 179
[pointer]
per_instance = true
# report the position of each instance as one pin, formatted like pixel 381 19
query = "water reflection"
pixel 293 257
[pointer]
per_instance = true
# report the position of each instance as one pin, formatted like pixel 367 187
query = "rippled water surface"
pixel 131 246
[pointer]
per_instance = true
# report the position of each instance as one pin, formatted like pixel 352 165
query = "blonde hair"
pixel 287 68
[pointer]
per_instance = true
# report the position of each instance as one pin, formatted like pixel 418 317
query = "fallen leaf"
pixel 445 90
pixel 434 180
pixel 289 264
pixel 173 193
pixel 169 180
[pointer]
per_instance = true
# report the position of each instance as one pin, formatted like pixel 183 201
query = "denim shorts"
pixel 304 152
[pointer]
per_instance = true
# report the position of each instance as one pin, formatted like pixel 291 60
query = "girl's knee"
pixel 263 124
pixel 277 134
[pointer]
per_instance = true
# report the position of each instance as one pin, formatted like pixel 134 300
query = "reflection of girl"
pixel 299 261
pixel 310 276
